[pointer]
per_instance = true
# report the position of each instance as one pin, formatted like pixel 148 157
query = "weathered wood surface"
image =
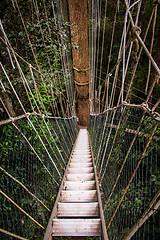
pixel 80 177
pixel 82 159
pixel 78 209
pixel 79 185
pixel 80 170
pixel 79 196
pixel 80 165
pixel 78 203
pixel 77 227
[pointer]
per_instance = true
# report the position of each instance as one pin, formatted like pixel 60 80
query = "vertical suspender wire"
pixel 49 142
pixel 140 52
pixel 111 103
pixel 119 173
pixel 134 173
pixel 148 54
pixel 67 90
pixel 13 88
pixel 106 144
pixel 109 60
pixel 103 37
pixel 129 54
pixel 95 41
pixel 46 111
pixel 153 32
pixel 37 13
pixel 116 73
pixel 101 139
pixel 62 52
pixel 37 90
pixel 48 59
pixel 97 81
pixel 49 30
pixel 92 61
pixel 104 153
pixel 28 118
pixel 44 146
pixel 23 77
pixel 124 46
pixel 67 64
pixel 51 175
pixel 50 36
pixel 24 212
pixel 136 22
pixel 115 77
pixel 90 47
pixel 29 144
pixel 9 53
pixel 32 51
pixel 24 187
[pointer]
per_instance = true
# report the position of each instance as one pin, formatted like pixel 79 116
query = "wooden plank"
pixel 81 158
pixel 86 157
pixel 78 209
pixel 80 170
pixel 76 227
pixel 79 165
pixel 81 151
pixel 79 185
pixel 79 196
pixel 80 177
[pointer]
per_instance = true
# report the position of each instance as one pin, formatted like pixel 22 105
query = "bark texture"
pixel 8 103
pixel 79 39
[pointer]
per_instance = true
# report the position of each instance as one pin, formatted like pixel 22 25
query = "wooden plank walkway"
pixel 77 211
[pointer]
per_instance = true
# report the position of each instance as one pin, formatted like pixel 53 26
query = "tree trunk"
pixel 8 104
pixel 80 52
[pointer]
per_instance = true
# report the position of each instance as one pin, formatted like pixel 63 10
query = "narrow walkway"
pixel 77 210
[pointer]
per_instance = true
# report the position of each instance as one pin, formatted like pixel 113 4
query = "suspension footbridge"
pixel 79 129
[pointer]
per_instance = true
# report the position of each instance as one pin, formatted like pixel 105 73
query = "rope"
pixel 21 209
pixel 22 185
pixel 109 60
pixel 144 46
pixel 143 106
pixel 36 154
pixel 81 83
pixel 134 72
pixel 12 234
pixel 126 157
pixel 133 175
pixel 148 213
pixel 151 47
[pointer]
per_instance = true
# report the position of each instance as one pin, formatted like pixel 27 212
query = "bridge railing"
pixel 33 158
pixel 126 151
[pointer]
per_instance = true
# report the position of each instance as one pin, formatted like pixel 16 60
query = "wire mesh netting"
pixel 32 165
pixel 126 157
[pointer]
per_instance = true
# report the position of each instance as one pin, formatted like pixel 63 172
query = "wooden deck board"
pixel 80 165
pixel 76 227
pixel 79 196
pixel 80 170
pixel 79 185
pixel 80 177
pixel 78 209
